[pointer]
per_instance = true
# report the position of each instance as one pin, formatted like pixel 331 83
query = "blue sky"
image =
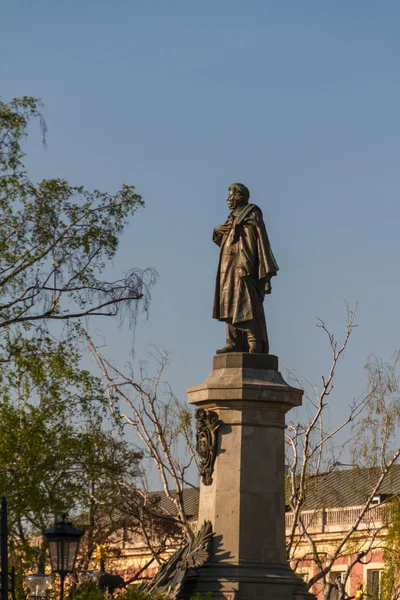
pixel 297 99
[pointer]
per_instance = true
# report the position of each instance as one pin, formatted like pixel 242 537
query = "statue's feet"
pixel 227 348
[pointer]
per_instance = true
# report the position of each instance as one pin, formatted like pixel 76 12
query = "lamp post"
pixel 63 539
pixel 38 582
pixel 6 577
pixel 3 550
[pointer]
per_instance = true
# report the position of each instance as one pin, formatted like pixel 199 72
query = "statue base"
pixel 245 500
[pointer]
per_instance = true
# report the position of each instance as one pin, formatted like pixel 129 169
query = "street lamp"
pixel 63 540
pixel 38 582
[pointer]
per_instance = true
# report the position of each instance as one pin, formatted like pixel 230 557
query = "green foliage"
pixel 42 370
pixel 14 119
pixel 198 596
pixel 390 584
pixel 374 439
pixel 134 593
pixel 55 238
pixel 42 393
pixel 55 455
pixel 89 591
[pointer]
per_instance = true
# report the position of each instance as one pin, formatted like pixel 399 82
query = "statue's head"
pixel 239 195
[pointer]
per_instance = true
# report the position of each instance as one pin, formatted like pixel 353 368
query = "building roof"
pixel 349 487
pixel 190 502
pixel 340 488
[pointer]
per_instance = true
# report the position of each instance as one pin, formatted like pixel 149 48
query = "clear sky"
pixel 298 99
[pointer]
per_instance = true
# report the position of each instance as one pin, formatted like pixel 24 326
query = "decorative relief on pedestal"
pixel 207 425
pixel 170 578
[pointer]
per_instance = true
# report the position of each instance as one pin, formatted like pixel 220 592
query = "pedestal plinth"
pixel 245 501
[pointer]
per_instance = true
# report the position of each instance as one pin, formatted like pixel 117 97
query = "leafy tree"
pixel 390 585
pixel 56 456
pixel 56 239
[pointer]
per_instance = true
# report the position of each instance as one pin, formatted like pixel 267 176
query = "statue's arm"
pixel 219 232
pixel 217 237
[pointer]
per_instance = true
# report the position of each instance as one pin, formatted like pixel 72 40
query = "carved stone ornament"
pixel 169 580
pixel 207 425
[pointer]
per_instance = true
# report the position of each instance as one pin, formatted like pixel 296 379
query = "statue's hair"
pixel 240 191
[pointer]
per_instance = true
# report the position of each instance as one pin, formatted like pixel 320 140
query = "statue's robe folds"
pixel 246 265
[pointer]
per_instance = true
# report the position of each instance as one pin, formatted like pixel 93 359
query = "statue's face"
pixel 232 200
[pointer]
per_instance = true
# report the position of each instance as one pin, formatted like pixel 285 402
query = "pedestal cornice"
pixel 246 378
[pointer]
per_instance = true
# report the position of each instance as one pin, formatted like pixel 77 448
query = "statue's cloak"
pixel 246 265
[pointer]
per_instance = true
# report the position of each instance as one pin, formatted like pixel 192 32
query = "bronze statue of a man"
pixel 246 265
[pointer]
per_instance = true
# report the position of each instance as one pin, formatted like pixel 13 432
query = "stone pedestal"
pixel 245 501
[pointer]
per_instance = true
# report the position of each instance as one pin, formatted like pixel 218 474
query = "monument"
pixel 240 422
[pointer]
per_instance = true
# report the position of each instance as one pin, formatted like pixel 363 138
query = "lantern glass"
pixel 70 552
pixel 63 555
pixel 38 584
pixel 55 558
pixel 63 540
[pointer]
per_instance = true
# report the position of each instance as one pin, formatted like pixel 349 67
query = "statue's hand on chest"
pixel 225 228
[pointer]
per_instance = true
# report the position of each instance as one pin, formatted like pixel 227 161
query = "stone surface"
pixel 231 360
pixel 245 502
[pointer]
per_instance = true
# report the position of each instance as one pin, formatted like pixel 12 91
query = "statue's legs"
pixel 249 336
pixel 257 336
pixel 244 339
pixel 256 345
pixel 235 340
